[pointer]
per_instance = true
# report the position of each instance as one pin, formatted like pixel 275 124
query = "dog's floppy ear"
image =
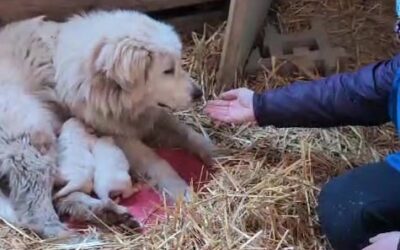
pixel 125 61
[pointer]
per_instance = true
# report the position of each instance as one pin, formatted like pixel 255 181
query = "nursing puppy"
pixel 76 173
pixel 87 163
pixel 75 160
pixel 120 72
pixel 111 175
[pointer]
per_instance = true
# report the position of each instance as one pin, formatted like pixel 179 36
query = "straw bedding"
pixel 264 194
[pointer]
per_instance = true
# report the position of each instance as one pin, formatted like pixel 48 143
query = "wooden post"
pixel 246 18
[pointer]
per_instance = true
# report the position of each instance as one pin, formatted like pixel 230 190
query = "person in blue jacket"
pixel 361 208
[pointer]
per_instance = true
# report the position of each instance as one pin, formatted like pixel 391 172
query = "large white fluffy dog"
pixel 120 72
pixel 27 135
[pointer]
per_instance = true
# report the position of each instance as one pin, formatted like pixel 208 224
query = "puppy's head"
pixel 130 76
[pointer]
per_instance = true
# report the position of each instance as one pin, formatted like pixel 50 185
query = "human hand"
pixel 386 241
pixel 234 106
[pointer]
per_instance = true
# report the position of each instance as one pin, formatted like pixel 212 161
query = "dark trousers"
pixel 360 204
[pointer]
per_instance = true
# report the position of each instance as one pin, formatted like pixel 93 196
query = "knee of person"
pixel 328 196
pixel 333 217
pixel 331 192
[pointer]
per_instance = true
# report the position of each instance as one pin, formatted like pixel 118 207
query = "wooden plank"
pixel 196 22
pixel 12 10
pixel 246 18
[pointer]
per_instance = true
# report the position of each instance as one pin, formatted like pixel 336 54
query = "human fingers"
pixel 230 94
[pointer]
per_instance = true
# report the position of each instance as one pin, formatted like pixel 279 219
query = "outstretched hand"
pixel 234 106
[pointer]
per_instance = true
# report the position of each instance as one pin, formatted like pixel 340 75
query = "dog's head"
pixel 131 75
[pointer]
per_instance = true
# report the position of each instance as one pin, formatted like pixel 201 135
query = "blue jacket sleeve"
pixel 359 98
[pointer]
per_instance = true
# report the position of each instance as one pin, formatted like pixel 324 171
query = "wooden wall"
pixel 185 15
pixel 11 10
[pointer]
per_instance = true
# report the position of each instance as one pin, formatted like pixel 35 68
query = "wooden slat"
pixel 196 22
pixel 11 10
pixel 246 18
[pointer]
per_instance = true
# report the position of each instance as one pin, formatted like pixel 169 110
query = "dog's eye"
pixel 169 71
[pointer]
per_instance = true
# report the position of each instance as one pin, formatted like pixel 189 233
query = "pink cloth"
pixel 147 205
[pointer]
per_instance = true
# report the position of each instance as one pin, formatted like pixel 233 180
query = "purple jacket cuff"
pixel 359 98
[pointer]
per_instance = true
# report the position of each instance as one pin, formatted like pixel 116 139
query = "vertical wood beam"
pixel 246 18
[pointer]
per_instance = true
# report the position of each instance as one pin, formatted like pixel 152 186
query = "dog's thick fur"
pixel 120 72
pixel 27 127
pixel 28 134
pixel 30 175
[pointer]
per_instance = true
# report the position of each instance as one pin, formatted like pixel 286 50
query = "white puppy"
pixel 111 176
pixel 76 162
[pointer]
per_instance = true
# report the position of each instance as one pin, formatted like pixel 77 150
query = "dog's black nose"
pixel 197 94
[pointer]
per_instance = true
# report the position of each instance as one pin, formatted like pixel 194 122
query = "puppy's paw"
pixel 90 130
pixel 43 141
pixel 136 187
pixel 133 189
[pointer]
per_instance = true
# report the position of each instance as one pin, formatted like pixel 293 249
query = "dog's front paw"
pixel 207 158
pixel 77 238
pixel 176 190
pixel 114 214
pixel 54 229
pixel 206 151
pixel 163 177
pixel 134 189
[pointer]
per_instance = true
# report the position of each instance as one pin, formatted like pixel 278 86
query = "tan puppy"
pixel 125 82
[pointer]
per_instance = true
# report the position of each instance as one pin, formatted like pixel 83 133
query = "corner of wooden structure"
pixel 246 18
